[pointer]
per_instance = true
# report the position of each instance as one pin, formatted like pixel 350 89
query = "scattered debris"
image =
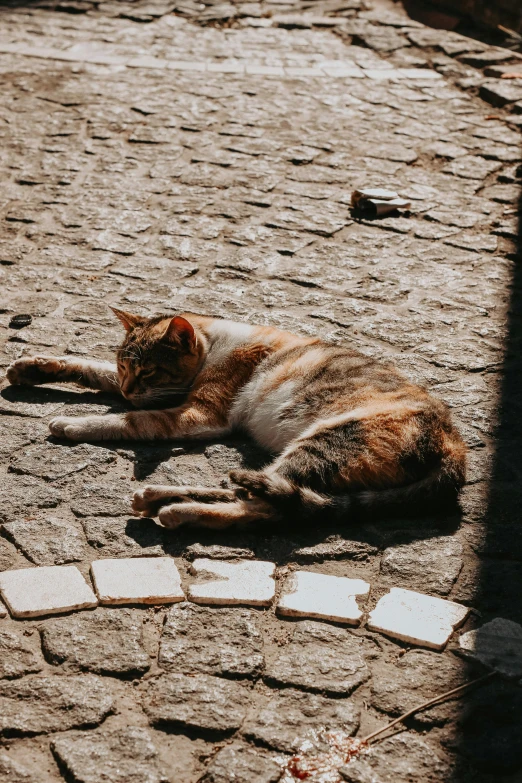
pixel 19 321
pixel 377 202
pixel 321 761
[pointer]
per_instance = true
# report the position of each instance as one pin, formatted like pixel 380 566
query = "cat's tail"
pixel 438 489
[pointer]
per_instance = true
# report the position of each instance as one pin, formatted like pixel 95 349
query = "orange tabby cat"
pixel 347 430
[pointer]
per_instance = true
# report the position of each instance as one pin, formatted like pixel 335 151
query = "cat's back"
pixel 300 384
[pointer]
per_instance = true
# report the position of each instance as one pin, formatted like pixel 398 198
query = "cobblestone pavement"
pixel 157 162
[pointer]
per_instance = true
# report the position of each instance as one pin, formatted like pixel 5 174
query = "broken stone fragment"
pixel 307 594
pixel 248 582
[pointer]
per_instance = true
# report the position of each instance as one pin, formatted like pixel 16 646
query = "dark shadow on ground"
pixel 489 736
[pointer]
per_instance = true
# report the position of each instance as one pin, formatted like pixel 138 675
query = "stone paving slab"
pixel 199 702
pixel 127 755
pixel 250 582
pixel 320 658
pixel 417 618
pixel 33 592
pixel 225 642
pixel 144 580
pixel 42 705
pixel 325 597
pixel 107 641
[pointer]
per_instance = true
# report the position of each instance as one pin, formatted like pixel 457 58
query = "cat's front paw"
pixel 75 428
pixel 34 370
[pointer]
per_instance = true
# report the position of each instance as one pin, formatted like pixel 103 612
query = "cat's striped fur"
pixel 346 430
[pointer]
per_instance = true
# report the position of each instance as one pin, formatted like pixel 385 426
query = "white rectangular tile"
pixel 417 618
pixel 248 582
pixel 137 580
pixel 33 592
pixel 308 594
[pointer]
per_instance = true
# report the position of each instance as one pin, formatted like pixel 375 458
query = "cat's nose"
pixel 127 387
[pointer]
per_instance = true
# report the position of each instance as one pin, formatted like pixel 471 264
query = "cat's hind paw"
pixel 147 502
pixel 34 370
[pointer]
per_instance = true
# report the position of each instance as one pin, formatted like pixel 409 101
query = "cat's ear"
pixel 128 320
pixel 180 330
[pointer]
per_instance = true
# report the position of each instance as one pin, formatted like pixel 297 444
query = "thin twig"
pixel 446 695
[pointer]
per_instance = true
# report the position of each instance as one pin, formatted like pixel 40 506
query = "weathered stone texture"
pixel 211 641
pixel 242 764
pixel 200 702
pixel 42 705
pixel 322 658
pixel 125 755
pixel 18 655
pixel 47 541
pixel 429 566
pixel 287 718
pixel 106 641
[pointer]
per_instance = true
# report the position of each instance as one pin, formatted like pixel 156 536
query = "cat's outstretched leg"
pixel 149 500
pixel 216 515
pixel 36 370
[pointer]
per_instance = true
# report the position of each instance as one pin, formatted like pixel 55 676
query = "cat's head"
pixel 159 357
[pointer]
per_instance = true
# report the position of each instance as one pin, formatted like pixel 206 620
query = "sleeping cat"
pixel 346 430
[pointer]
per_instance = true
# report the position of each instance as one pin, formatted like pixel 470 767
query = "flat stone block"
pixel 18 655
pixel 497 644
pixel 417 618
pixel 242 764
pixel 32 592
pixel 106 641
pixel 320 657
pixel 306 594
pixel 342 73
pixel 381 73
pixel 137 580
pixel 417 73
pixel 265 70
pixel 291 71
pixel 42 705
pixel 200 702
pixel 47 541
pixel 3 611
pixel 226 68
pixel 243 582
pixel 432 566
pixel 203 639
pixel 288 717
pixel 415 677
pixel 126 755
